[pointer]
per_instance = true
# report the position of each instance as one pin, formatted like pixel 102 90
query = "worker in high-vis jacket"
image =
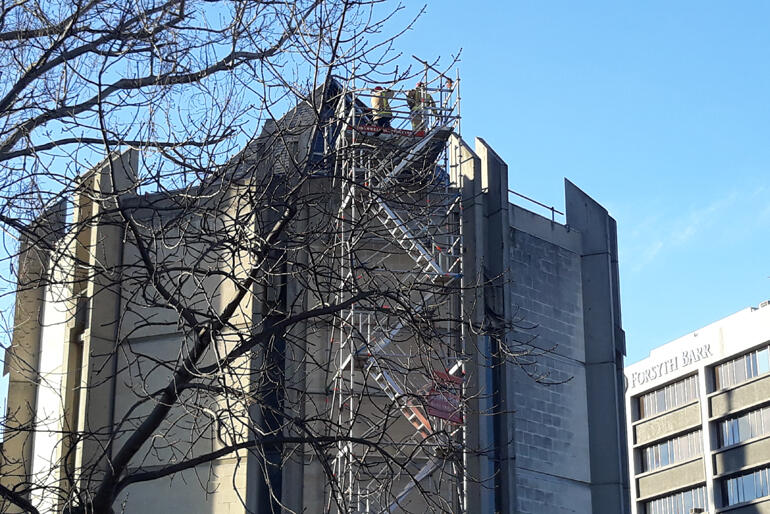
pixel 381 112
pixel 421 105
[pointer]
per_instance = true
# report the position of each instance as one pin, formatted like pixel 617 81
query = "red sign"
pixel 376 129
pixel 443 398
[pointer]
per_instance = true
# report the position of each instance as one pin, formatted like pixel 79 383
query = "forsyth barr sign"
pixel 677 362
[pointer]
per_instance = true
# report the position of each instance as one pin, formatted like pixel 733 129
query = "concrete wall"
pixel 479 428
pixel 50 402
pixel 742 457
pixel 539 493
pixel 99 244
pixel 544 274
pixel 671 479
pixel 551 438
pixel 605 348
pixel 497 293
pixel 758 507
pixel 22 359
pixel 547 282
pixel 216 488
pixel 740 397
pixel 666 425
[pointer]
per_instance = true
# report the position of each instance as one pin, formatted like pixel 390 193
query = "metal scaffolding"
pixel 397 368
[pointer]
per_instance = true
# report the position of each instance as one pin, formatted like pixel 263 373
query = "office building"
pixel 699 420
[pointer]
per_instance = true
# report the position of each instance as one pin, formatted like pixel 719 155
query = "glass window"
pixel 668 397
pixel 742 368
pixel 746 426
pixel 672 451
pixel 732 496
pixel 749 491
pixel 744 430
pixel 688 503
pixel 755 422
pixel 664 455
pixel 763 366
pixel 746 487
pixel 739 371
pixel 677 503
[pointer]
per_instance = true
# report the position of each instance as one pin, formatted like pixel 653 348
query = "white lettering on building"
pixel 661 369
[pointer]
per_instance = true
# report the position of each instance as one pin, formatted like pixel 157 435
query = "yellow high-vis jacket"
pixel 381 103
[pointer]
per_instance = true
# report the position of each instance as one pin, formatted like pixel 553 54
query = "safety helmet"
pixel 420 84
pixel 378 88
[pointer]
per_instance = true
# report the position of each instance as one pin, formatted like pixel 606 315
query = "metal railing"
pixel 553 210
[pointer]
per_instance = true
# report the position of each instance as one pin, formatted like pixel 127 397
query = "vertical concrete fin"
pixel 100 245
pixel 465 164
pixel 22 359
pixel 32 266
pixel 605 347
pixel 115 175
pixel 494 172
pixel 497 303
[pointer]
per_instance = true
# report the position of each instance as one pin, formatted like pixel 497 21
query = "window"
pixel 678 503
pixel 678 449
pixel 746 487
pixel 745 426
pixel 763 362
pixel 742 368
pixel 668 397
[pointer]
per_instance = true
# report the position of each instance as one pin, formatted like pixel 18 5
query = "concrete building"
pixel 554 449
pixel 699 420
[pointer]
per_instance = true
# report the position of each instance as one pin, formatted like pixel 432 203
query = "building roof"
pixel 715 342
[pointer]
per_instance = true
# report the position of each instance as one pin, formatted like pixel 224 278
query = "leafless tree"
pixel 204 285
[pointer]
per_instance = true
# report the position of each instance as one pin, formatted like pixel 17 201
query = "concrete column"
pixel 497 300
pixel 294 371
pixel 605 348
pixel 478 424
pixel 99 243
pixel 634 465
pixel 713 496
pixel 22 359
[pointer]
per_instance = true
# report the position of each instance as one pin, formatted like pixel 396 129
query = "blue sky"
pixel 659 110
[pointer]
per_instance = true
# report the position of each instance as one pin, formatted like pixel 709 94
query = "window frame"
pixel 736 488
pixel 742 427
pixel 649 403
pixel 742 368
pixel 681 448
